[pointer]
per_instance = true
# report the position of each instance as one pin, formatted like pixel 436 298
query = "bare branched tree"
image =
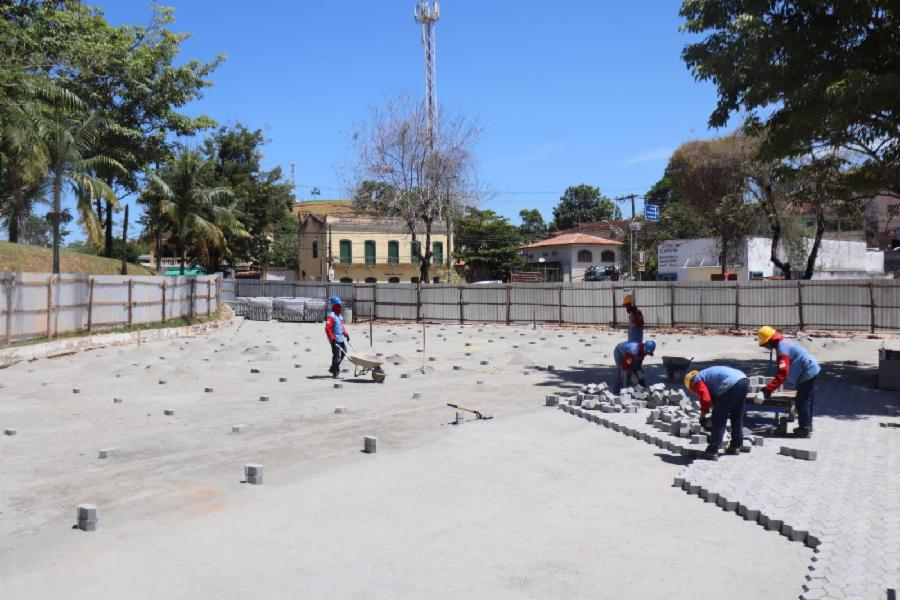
pixel 402 172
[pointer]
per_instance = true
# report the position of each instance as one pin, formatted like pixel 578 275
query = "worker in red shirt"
pixel 722 390
pixel 337 334
pixel 635 319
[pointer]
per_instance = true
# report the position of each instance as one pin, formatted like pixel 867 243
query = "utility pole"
pixel 632 227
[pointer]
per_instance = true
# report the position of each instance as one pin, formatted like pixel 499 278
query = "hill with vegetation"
pixel 34 259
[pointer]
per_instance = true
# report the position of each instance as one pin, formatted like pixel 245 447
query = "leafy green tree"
pixel 284 250
pixel 488 244
pixel 263 199
pixel 710 175
pixel 582 204
pixel 196 215
pixel 811 74
pixel 533 227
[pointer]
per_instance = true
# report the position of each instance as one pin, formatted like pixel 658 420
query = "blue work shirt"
pixel 337 325
pixel 632 348
pixel 719 379
pixel 803 366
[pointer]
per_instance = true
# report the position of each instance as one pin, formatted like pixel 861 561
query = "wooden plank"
pixel 90 306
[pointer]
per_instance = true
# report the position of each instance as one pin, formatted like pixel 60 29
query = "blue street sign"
pixel 651 211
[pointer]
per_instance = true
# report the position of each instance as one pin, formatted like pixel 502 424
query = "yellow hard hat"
pixel 689 378
pixel 629 299
pixel 765 334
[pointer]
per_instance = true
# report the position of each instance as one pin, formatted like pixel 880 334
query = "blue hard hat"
pixel 649 347
pixel 335 300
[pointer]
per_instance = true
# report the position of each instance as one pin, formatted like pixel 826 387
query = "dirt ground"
pixel 530 504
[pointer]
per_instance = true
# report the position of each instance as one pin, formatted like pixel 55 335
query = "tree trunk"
pixel 814 251
pixel 57 216
pixel 425 265
pixel 125 243
pixel 723 256
pixel 108 236
pixel 181 253
pixel 784 266
pixel 158 237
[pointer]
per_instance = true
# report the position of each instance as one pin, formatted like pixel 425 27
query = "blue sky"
pixel 566 92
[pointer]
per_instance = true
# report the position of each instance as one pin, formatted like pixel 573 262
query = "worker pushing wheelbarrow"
pixel 339 337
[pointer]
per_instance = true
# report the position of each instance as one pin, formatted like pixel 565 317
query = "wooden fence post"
pixel 701 310
pixel 193 295
pixel 462 315
pixel 163 286
pixel 90 315
pixel 672 303
pixel 10 284
pixel 374 301
pixel 508 304
pixel 737 305
pixel 208 297
pixel 872 305
pixel 560 302
pixel 130 315
pixel 800 303
pixel 419 301
pixel 237 287
pixel 49 303
pixel 612 290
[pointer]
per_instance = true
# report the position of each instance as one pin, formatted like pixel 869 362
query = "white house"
pixel 572 253
pixel 698 260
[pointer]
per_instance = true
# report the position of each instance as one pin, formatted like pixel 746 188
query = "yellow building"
pixel 338 244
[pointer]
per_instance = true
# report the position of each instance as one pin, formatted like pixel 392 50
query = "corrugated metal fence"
pixel 38 305
pixel 854 305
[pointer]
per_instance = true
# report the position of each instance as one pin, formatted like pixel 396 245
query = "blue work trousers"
pixel 806 393
pixel 729 406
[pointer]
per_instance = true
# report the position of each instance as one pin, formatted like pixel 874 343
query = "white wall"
pixel 836 259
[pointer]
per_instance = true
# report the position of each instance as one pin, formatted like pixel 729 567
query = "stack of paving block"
pixel 240 306
pixel 314 310
pixel 259 309
pixel 289 309
pixel 757 383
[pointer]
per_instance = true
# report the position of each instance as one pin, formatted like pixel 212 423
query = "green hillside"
pixel 33 259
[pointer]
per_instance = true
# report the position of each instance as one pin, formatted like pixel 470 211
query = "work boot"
pixel 711 454
pixel 731 451
pixel 802 432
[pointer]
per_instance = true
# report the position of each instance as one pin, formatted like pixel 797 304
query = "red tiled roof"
pixel 611 229
pixel 568 239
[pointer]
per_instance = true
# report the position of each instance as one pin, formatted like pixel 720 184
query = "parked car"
pixel 599 273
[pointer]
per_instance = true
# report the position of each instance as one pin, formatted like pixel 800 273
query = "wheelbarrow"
pixel 363 365
pixel 676 366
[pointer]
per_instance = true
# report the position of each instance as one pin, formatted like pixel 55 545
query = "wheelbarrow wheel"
pixel 378 375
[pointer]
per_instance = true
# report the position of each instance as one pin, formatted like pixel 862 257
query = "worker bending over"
pixel 799 368
pixel 337 335
pixel 635 320
pixel 629 357
pixel 724 390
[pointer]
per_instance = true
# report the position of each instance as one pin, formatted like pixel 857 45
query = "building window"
pixel 346 252
pixel 393 280
pixel 394 253
pixel 545 254
pixel 607 256
pixel 315 249
pixel 414 251
pixel 437 253
pixel 371 280
pixel 370 252
pixel 346 280
pixel 585 256
pixel 435 280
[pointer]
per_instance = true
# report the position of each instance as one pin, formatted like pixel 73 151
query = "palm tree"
pixel 196 215
pixel 71 141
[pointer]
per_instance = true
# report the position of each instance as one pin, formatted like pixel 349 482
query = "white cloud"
pixel 651 156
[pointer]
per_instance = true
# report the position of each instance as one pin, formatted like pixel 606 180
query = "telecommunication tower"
pixel 427 15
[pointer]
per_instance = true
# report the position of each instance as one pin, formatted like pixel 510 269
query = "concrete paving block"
pixel 751 514
pixel 773 524
pixel 86 512
pixel 296 365
pixel 168 412
pixel 254 370
pixel 805 454
pixel 416 395
pixel 282 380
pixel 338 386
pixel 457 368
pixel 10 431
pixel 460 418
pixel 370 444
pixel 679 481
pixel 698 439
pixel 479 382
pixel 117 401
pixel 785 451
pixel 693 489
pixel 87 525
pixel 253 473
pixel 76 391
pixel 404 375
pixel 162 382
pixel 759 441
pixel 263 398
pixel 240 428
pixel 108 453
pixel 712 497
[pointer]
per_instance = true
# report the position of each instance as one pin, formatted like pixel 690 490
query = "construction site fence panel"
pixel 852 305
pixel 41 305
